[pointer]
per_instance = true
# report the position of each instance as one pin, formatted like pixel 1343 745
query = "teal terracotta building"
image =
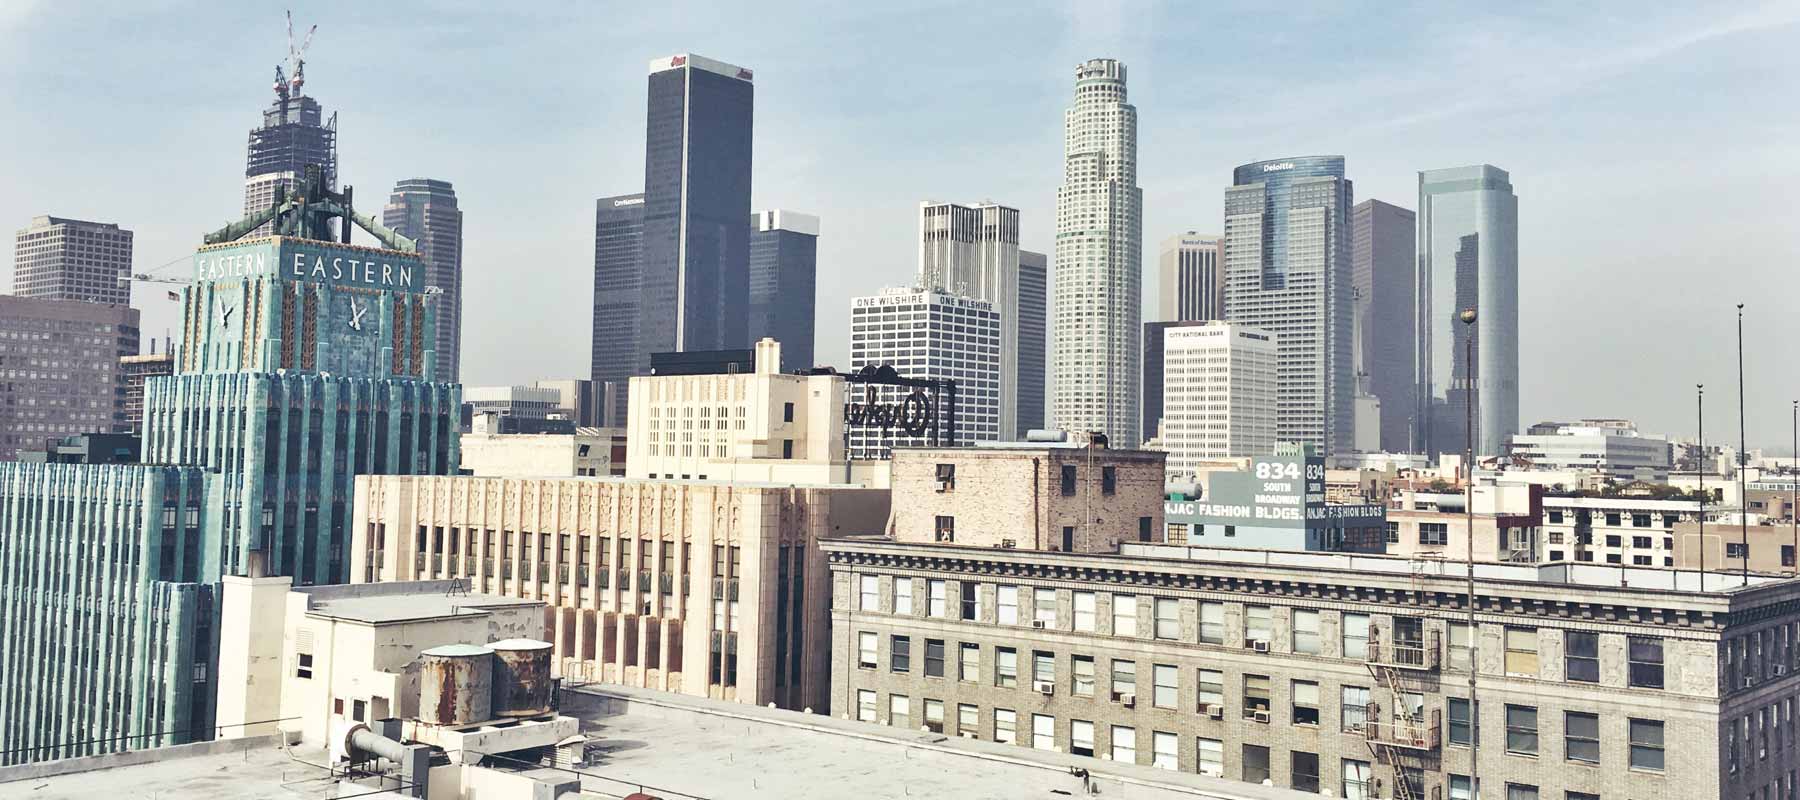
pixel 303 363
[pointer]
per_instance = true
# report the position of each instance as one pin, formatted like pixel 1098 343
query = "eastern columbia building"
pixel 305 361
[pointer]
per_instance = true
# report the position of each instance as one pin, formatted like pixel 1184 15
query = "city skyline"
pixel 1577 238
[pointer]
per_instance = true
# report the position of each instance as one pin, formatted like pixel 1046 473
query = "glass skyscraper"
pixel 1468 223
pixel 696 246
pixel 618 279
pixel 425 211
pixel 784 266
pixel 1287 272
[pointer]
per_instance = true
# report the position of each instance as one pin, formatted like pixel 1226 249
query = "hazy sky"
pixel 1654 147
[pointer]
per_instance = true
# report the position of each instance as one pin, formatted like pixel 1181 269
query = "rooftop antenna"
pixel 296 57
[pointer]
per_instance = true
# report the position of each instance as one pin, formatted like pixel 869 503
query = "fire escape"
pixel 1407 739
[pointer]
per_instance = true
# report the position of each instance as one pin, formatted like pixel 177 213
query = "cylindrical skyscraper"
pixel 1099 279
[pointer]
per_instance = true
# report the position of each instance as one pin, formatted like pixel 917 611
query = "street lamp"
pixel 1468 320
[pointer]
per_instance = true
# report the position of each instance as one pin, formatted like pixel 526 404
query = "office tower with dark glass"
pixel 1382 267
pixel 784 266
pixel 1191 281
pixel 696 251
pixel 973 252
pixel 294 134
pixel 1099 255
pixel 1287 272
pixel 1468 258
pixel 425 211
pixel 1034 308
pixel 618 282
pixel 69 259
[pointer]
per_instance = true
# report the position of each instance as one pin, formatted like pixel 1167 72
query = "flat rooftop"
pixel 377 603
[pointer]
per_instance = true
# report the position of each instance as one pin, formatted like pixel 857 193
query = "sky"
pixel 1654 147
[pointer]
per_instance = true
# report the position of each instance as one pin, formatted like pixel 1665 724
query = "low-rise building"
pixel 1614 530
pixel 1613 448
pixel 1344 675
pixel 1507 520
pixel 1278 502
pixel 705 588
pixel 588 452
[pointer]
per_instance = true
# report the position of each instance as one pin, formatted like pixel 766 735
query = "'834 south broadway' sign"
pixel 312 261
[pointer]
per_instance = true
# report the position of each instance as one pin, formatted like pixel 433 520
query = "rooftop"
pixel 380 603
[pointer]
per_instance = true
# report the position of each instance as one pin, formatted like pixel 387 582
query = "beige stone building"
pixel 588 452
pixel 1032 495
pixel 1330 673
pixel 704 588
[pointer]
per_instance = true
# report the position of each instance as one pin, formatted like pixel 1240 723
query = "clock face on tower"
pixel 357 311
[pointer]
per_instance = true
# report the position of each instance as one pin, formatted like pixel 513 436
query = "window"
pixel 1580 796
pixel 1083 668
pixel 1168 618
pixel 865 705
pixel 1209 754
pixel 1081 737
pixel 1212 623
pixel 1356 636
pixel 1581 737
pixel 1462 724
pixel 868 594
pixel 1068 538
pixel 1006 667
pixel 303 665
pixel 1612 519
pixel 1393 533
pixel 903 595
pixel 1166 689
pixel 1354 711
pixel 866 642
pixel 1735 550
pixel 969 601
pixel 946 476
pixel 1043 731
pixel 1162 750
pixel 934 598
pixel 934 716
pixel 1304 771
pixel 899 711
pixel 1068 480
pixel 1460 648
pixel 1006 725
pixel 1084 612
pixel 1210 690
pixel 1009 605
pixel 1521 730
pixel 1646 657
pixel 1043 667
pixel 1145 525
pixel 899 653
pixel 1431 533
pixel 1259 624
pixel 1521 791
pixel 1256 763
pixel 1647 744
pixel 968 721
pixel 946 528
pixel 969 666
pixel 1124 608
pixel 1124 678
pixel 787 448
pixel 1256 695
pixel 1582 659
pixel 1522 651
pixel 1460 788
pixel 787 412
pixel 934 658
pixel 1109 480
pixel 1043 607
pixel 1357 777
pixel 1555 517
pixel 1306 703
pixel 1306 632
pixel 1124 744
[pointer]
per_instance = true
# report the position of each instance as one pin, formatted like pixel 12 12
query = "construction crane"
pixel 296 61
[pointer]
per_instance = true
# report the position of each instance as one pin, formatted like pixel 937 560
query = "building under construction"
pixel 294 134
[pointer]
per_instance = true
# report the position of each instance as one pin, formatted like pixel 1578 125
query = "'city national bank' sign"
pixel 306 260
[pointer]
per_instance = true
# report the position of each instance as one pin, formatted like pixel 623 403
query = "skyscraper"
pixel 294 134
pixel 1219 386
pixel 68 259
pixel 62 369
pixel 425 211
pixel 696 250
pixel 1287 272
pixel 784 266
pixel 925 333
pixel 1382 269
pixel 1468 258
pixel 1152 392
pixel 618 286
pixel 973 251
pixel 1099 253
pixel 1034 307
pixel 1191 279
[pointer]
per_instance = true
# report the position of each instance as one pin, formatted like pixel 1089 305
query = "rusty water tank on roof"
pixel 456 684
pixel 521 677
